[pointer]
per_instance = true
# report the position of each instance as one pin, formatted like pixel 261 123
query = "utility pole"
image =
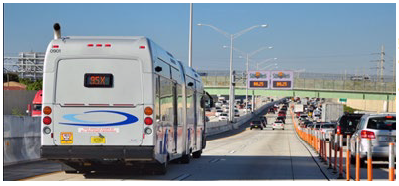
pixel 382 63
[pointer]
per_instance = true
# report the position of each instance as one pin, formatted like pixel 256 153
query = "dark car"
pixel 257 123
pixel 281 118
pixel 282 113
pixel 271 110
pixel 264 120
pixel 346 124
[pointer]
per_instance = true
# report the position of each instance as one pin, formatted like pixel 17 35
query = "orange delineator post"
pixel 348 159
pixel 335 153
pixel 369 161
pixel 341 166
pixel 325 147
pixel 391 162
pixel 357 159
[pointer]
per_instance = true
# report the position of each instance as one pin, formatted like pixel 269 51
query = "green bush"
pixel 349 109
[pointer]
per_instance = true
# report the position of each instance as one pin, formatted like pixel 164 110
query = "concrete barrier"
pixel 21 139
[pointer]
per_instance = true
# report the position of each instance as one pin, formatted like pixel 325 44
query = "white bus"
pixel 112 102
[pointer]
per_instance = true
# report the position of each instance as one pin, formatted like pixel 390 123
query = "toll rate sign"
pixel 258 79
pixel 282 79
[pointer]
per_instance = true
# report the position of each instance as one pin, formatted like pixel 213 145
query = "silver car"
pixel 381 129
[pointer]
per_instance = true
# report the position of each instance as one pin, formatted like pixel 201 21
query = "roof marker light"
pixel 90 45
pixel 55 46
pixel 142 47
pixel 99 45
pixel 107 45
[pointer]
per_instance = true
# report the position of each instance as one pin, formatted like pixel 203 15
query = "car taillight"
pixel 47 120
pixel 367 134
pixel 148 121
pixel 338 130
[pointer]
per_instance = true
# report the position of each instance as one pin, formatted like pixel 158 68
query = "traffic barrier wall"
pixel 21 139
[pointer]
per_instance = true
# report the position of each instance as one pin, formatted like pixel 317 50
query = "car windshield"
pixel 328 126
pixel 256 122
pixel 382 123
pixel 223 114
pixel 317 126
pixel 219 111
pixel 278 122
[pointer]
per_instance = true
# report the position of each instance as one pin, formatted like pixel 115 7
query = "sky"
pixel 326 38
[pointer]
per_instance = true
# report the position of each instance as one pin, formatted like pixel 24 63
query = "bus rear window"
pixel 382 123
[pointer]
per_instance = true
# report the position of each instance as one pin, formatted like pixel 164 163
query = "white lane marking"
pixel 182 177
pixel 233 151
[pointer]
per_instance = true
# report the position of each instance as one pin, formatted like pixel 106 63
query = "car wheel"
pixel 273 128
pixel 250 128
pixel 261 128
pixel 353 160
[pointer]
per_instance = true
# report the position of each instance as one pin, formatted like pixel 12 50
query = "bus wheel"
pixel 162 168
pixel 185 159
pixel 197 154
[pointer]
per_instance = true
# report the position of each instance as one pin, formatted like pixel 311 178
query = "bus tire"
pixel 185 159
pixel 197 154
pixel 162 168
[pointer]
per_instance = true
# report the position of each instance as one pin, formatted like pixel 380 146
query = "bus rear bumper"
pixel 97 152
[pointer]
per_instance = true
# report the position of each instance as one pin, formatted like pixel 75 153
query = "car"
pixel 328 128
pixel 236 113
pixel 264 120
pixel 256 123
pixel 346 124
pixel 271 111
pixel 306 123
pixel 223 117
pixel 218 112
pixel 278 124
pixel 281 118
pixel 381 129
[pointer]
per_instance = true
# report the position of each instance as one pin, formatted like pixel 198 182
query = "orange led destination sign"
pixel 281 84
pixel 258 84
pixel 98 80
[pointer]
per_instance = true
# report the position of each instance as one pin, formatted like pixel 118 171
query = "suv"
pixel 256 123
pixel 346 125
pixel 381 129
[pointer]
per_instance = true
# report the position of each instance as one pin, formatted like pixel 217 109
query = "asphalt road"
pixel 238 155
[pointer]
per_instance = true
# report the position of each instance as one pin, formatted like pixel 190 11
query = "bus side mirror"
pixel 158 69
pixel 190 84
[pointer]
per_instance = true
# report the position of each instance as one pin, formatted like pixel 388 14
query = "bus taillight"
pixel 47 120
pixel 148 121
pixel 148 111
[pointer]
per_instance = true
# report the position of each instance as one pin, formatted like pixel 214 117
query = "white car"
pixel 223 117
pixel 218 112
pixel 278 125
pixel 236 113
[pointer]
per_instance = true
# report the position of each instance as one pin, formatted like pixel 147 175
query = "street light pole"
pixel 190 39
pixel 231 96
pixel 232 37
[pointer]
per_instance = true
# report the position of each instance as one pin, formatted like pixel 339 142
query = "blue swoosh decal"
pixel 129 119
pixel 71 117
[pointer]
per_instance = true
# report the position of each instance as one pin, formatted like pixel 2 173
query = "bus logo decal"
pixel 71 117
